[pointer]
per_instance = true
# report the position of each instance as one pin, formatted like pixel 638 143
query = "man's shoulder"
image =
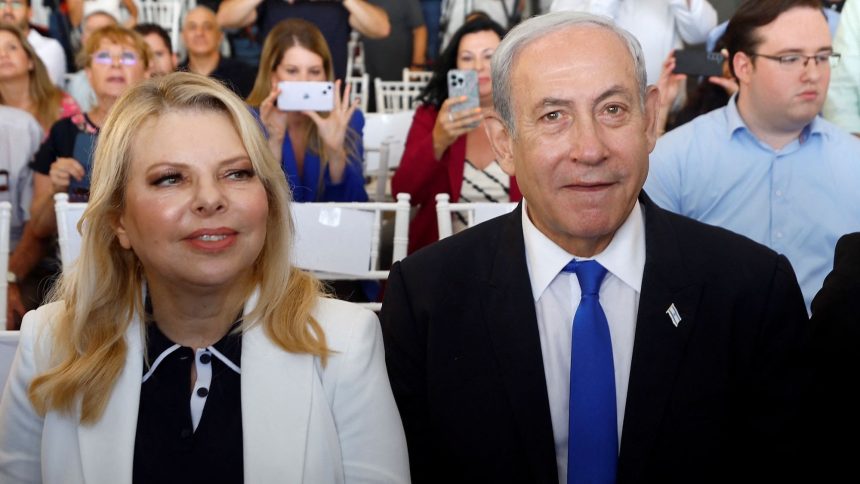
pixel 712 125
pixel 705 248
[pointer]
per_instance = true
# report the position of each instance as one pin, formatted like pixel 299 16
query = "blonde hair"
pixel 118 35
pixel 43 93
pixel 104 292
pixel 285 35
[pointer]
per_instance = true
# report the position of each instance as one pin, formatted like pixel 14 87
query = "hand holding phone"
pixel 306 96
pixel 464 83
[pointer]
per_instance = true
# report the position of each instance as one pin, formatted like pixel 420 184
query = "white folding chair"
pixel 5 222
pixel 359 88
pixel 394 96
pixel 68 237
pixel 384 142
pixel 342 241
pixel 417 77
pixel 8 347
pixel 355 56
pixel 166 13
pixel 476 212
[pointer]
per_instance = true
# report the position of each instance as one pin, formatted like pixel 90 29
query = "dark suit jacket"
pixel 718 392
pixel 836 395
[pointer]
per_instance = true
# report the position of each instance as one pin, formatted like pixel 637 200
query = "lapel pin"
pixel 673 314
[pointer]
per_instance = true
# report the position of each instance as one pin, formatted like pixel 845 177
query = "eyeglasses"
pixel 15 4
pixel 106 58
pixel 798 61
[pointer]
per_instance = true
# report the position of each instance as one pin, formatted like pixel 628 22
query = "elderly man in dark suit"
pixel 590 336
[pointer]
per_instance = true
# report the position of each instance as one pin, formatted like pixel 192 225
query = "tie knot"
pixel 590 274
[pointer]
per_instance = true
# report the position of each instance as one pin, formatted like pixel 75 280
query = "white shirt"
pixel 20 137
pixel 659 25
pixel 557 295
pixel 52 55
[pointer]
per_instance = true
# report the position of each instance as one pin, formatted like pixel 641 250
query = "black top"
pixel 331 17
pixel 73 137
pixel 236 75
pixel 167 449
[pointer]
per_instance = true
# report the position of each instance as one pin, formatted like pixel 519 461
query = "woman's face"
pixel 114 68
pixel 475 51
pixel 195 212
pixel 300 64
pixel 14 62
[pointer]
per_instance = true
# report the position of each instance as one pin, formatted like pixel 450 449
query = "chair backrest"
pixel 417 77
pixel 326 230
pixel 395 96
pixel 166 13
pixel 343 240
pixel 68 237
pixel 384 142
pixel 476 212
pixel 359 88
pixel 355 56
pixel 5 223
pixel 8 347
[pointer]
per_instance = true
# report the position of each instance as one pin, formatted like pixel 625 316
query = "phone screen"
pixel 698 63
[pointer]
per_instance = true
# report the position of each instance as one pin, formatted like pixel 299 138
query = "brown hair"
pixel 43 93
pixel 742 31
pixel 103 291
pixel 285 35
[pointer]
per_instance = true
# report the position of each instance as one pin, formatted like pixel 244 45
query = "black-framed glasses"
pixel 798 61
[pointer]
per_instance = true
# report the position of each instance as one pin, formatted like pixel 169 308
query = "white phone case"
pixel 306 96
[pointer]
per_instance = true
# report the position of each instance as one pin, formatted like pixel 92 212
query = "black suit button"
pixel 205 358
pixel 202 392
pixel 185 433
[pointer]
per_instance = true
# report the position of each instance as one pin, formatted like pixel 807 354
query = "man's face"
pixel 163 61
pixel 16 12
pixel 785 98
pixel 582 139
pixel 200 32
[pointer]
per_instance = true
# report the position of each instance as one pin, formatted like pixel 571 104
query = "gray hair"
pixel 541 26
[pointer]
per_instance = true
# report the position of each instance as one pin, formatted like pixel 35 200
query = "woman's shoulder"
pixel 68 106
pixel 345 323
pixel 37 329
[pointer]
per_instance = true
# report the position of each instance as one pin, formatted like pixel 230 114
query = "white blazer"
pixel 300 422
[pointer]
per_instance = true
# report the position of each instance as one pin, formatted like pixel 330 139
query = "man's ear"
pixel 502 143
pixel 652 106
pixel 743 66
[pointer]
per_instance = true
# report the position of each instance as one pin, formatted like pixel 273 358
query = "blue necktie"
pixel 592 445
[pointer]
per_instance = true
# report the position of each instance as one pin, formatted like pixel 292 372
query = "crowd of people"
pixel 674 299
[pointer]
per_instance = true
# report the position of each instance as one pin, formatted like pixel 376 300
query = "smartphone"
pixel 83 151
pixel 464 83
pixel 698 63
pixel 306 96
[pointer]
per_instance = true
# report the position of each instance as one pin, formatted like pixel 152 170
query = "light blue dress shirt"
pixel 797 200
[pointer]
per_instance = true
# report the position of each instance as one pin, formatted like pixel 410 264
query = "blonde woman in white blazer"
pixel 187 227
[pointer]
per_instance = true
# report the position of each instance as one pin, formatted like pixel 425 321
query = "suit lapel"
pixel 276 403
pixel 659 344
pixel 107 447
pixel 510 313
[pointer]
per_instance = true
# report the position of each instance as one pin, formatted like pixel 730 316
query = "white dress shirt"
pixel 659 25
pixel 557 296
pixel 52 54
